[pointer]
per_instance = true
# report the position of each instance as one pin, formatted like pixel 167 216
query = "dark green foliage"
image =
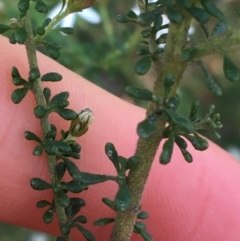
pixel 146 33
pixel 173 102
pixel 198 142
pixel 91 179
pixel 46 22
pixel 146 128
pixel 66 30
pixel 60 170
pixel 41 7
pixel 143 65
pixel 131 14
pixel 112 155
pixel 211 8
pixel 23 5
pixel 142 215
pixel 231 71
pixel 87 234
pixel 37 151
pixel 52 49
pixel 43 204
pixel 174 15
pixel 53 77
pixel 19 94
pixel 63 199
pixel 168 83
pixel 80 219
pixel 187 156
pixel 74 186
pixel 72 169
pixel 219 29
pixel 181 142
pixel 108 202
pixel 205 30
pixel 60 100
pixel 41 31
pixel 34 73
pixel 157 24
pixel 199 14
pixel 20 35
pixel 48 216
pixel 167 150
pixel 122 19
pixel 103 221
pixel 31 136
pixel 140 228
pixel 184 3
pixel 4 28
pixel 123 198
pixel 16 78
pixel 211 84
pixel 132 162
pixel 141 94
pixel 39 184
pixel 40 111
pixel 66 114
pixel 47 94
pixel 194 109
pixel 189 54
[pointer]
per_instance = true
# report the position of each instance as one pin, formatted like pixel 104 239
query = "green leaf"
pixel 146 18
pixel 142 215
pixel 205 30
pixel 168 83
pixel 174 15
pixel 103 221
pixel 139 226
pixel 112 155
pixel 141 94
pixel 41 31
pixel 48 216
pixel 66 114
pixel 212 86
pixel 4 28
pixel 91 179
pixel 181 142
pixel 20 35
pixel 60 170
pixel 40 111
pixel 60 98
pixel 211 8
pixel 132 162
pixel 108 202
pixel 52 49
pixel 63 199
pixel 52 76
pixel 122 19
pixel 46 22
pixel 184 3
pixel 173 102
pixel 74 186
pixel 146 128
pixel 123 198
pixel 199 14
pixel 157 24
pixel 187 156
pixel 72 169
pixel 189 54
pixel 34 73
pixel 66 30
pixel 194 109
pixel 167 150
pixel 146 33
pixel 41 7
pixel 23 5
pixel 47 94
pixel 231 71
pixel 198 142
pixel 18 95
pixel 37 151
pixel 39 184
pixel 87 234
pixel 31 136
pixel 80 219
pixel 131 14
pixel 143 65
pixel 219 29
pixel 43 204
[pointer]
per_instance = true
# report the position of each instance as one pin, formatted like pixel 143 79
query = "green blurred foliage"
pixel 105 54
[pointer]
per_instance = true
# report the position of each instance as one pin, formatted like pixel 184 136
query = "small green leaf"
pixel 141 94
pixel 146 33
pixel 157 24
pixel 131 14
pixel 211 8
pixel 60 170
pixel 74 186
pixel 18 95
pixel 189 54
pixel 231 71
pixel 108 202
pixel 194 109
pixel 31 136
pixel 23 5
pixel 40 111
pixel 198 142
pixel 20 35
pixel 173 103
pixel 4 28
pixel 52 49
pixel 72 169
pixel 75 147
pixel 123 198
pixel 48 216
pixel 87 234
pixel 103 221
pixel 63 199
pixel 15 73
pixel 46 22
pixel 174 15
pixel 167 150
pixel 112 155
pixel 37 151
pixel 132 162
pixel 199 14
pixel 122 19
pixel 184 3
pixel 41 31
pixel 187 156
pixel 34 73
pixel 212 86
pixel 146 18
pixel 60 98
pixel 181 142
pixel 143 65
pixel 47 94
pixel 43 204
pixel 146 128
pixel 39 184
pixel 142 215
pixel 66 30
pixel 41 7
pixel 52 76
pixel 219 29
pixel 80 219
pixel 66 114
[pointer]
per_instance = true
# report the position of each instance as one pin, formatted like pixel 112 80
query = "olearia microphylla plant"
pixel 162 122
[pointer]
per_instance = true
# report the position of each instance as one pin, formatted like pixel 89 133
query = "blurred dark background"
pixel 104 51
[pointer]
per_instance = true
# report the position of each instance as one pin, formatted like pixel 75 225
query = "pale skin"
pixel 198 201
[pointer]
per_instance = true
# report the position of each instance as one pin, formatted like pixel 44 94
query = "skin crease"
pixel 198 201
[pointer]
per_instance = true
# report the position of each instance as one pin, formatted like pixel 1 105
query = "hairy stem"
pixel 170 62
pixel 45 124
